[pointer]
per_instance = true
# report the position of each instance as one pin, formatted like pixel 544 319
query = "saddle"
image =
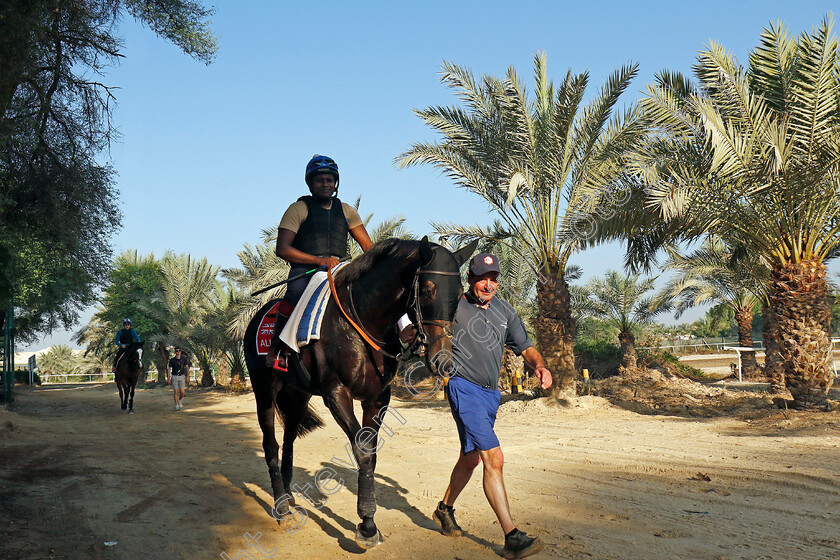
pixel 302 327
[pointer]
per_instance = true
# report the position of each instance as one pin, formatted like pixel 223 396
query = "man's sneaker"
pixel 177 407
pixel 520 545
pixel 444 516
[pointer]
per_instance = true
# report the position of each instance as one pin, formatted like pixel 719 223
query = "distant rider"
pixel 125 336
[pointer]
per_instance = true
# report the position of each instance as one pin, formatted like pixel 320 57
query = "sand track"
pixel 594 480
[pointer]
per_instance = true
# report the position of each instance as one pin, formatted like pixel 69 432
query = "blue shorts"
pixel 474 410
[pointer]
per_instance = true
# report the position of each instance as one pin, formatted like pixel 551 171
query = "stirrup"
pixel 277 364
pixel 281 367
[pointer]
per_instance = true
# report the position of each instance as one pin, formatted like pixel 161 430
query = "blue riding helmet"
pixel 321 164
pixel 127 320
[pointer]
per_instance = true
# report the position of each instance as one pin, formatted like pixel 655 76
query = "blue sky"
pixel 211 155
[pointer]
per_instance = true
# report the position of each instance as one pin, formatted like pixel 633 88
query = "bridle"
pixel 422 338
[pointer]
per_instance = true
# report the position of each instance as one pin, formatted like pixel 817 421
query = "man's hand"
pixel 169 381
pixel 535 360
pixel 545 377
pixel 329 262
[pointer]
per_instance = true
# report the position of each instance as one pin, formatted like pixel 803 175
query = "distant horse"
pixel 393 277
pixel 128 372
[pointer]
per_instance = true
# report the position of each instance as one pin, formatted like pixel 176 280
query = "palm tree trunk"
pixel 162 362
pixel 628 349
pixel 206 371
pixel 511 363
pixel 555 329
pixel 749 365
pixel 237 372
pixel 803 315
pixel 773 369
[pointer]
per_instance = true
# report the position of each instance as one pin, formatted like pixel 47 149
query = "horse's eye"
pixel 428 293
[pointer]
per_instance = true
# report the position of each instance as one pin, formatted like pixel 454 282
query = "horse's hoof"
pixel 287 523
pixel 367 542
pixel 123 407
pixel 131 411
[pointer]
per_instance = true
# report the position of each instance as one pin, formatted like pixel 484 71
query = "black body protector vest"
pixel 126 337
pixel 324 232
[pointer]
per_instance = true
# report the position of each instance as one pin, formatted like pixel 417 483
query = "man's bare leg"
pixel 461 474
pixel 494 486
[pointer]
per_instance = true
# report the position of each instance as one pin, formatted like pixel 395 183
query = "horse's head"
pixel 438 291
pixel 134 353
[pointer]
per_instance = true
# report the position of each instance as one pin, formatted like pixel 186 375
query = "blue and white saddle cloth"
pixel 304 324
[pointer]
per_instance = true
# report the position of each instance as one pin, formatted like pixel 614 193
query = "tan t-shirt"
pixel 298 212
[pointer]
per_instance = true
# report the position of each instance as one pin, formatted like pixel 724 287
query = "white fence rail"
pixel 695 344
pixel 62 378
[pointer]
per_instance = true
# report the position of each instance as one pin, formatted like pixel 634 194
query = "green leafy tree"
pixel 57 201
pixel 750 155
pixel 133 279
pixel 544 163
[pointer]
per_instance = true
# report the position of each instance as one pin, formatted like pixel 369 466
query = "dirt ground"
pixel 652 468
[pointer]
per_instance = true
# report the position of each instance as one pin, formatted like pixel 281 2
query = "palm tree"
pixel 189 294
pixel 213 333
pixel 58 360
pixel 261 268
pixel 544 164
pixel 97 336
pixel 712 274
pixel 388 228
pixel 752 156
pixel 619 299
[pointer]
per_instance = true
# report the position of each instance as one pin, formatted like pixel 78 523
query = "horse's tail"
pixel 310 422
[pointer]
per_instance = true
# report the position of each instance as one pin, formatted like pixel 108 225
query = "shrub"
pixel 601 358
pixel 662 358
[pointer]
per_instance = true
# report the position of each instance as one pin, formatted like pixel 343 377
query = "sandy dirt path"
pixel 593 480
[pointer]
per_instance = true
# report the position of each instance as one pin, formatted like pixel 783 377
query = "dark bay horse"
pixel 393 277
pixel 128 372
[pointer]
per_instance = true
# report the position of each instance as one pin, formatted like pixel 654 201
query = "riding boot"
pixel 278 352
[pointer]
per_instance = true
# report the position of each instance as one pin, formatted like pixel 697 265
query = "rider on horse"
pixel 313 233
pixel 125 336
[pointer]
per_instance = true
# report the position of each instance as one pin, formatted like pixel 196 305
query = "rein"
pixel 367 338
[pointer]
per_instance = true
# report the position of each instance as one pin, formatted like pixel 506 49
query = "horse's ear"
pixel 462 254
pixel 426 252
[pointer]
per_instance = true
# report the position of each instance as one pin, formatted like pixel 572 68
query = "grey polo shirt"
pixel 479 337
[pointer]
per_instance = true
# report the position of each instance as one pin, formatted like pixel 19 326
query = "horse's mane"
pixel 401 249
